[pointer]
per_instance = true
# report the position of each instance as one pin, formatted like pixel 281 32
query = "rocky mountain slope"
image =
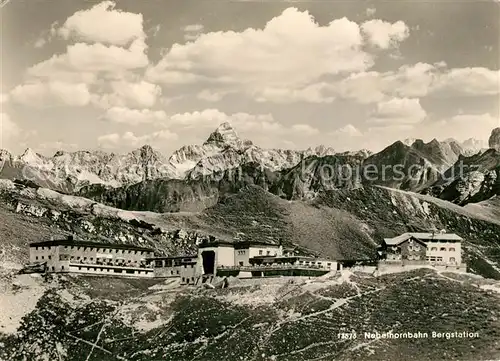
pixel 494 141
pixel 85 318
pixel 421 163
pixel 343 224
pixel 69 171
pixel 471 179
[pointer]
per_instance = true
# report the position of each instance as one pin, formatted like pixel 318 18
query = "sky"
pixel 115 75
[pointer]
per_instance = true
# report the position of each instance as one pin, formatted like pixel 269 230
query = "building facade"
pixel 183 267
pixel 216 258
pixel 257 259
pixel 440 249
pixel 75 256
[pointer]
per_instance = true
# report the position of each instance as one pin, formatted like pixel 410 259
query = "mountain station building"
pixel 438 249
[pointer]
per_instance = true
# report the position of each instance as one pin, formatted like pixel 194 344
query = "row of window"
pixel 114 270
pixel 159 264
pixel 417 248
pixel 43 257
pixel 261 252
pixel 443 249
pixel 101 250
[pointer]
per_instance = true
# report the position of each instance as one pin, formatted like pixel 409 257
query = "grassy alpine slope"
pixel 343 224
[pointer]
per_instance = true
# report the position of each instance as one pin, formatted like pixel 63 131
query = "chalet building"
pixel 438 249
pixel 75 256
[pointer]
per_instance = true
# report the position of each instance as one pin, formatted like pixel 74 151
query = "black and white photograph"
pixel 250 180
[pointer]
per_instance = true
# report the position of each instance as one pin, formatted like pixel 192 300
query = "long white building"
pixel 69 255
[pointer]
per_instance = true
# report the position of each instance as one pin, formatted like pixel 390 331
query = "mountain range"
pixel 223 150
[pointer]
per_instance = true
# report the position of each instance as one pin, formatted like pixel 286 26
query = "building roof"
pixel 236 244
pixel 247 244
pixel 71 242
pixel 423 237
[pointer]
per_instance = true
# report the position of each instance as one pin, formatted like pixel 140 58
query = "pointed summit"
pixel 225 136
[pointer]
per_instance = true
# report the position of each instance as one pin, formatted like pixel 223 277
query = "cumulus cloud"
pixel 370 11
pixel 398 112
pixel 134 116
pixel 193 31
pixel 140 94
pixel 462 126
pixel 92 58
pixel 469 81
pixel 314 93
pixel 129 138
pixel 348 130
pixel 111 46
pixel 210 118
pixel 4 98
pixel 418 80
pixel 9 130
pixel 103 24
pixel 58 145
pixel 304 129
pixel 383 34
pixel 292 49
pixel 211 96
pixel 252 124
pixel 51 94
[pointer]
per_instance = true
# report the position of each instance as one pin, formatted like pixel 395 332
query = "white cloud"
pixel 210 118
pixel 193 31
pixel 211 96
pixel 134 116
pixel 58 145
pixel 4 98
pixel 51 94
pixel 314 93
pixel 103 24
pixel 140 94
pixel 370 11
pixel 385 35
pixel 109 139
pixel 91 58
pixel 193 28
pixel 251 124
pixel 8 130
pixel 462 127
pixel 129 138
pixel 40 43
pixel 418 80
pixel 347 130
pixel 469 81
pixel 291 50
pixel 398 112
pixel 304 129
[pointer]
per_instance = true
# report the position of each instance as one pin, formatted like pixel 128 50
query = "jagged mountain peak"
pixel 146 151
pixel 31 157
pixel 225 135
